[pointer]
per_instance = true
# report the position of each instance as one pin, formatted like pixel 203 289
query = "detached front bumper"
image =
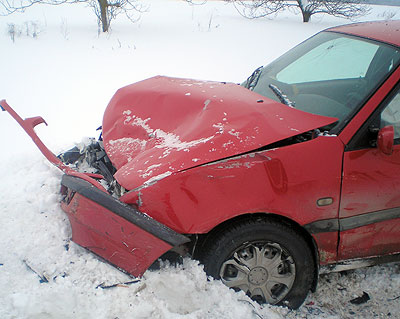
pixel 117 232
pixel 113 230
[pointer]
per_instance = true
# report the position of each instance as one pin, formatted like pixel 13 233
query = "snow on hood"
pixel 163 125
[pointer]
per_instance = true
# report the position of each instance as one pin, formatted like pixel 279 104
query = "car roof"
pixel 384 31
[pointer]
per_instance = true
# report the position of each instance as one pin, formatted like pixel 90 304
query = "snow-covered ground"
pixel 67 73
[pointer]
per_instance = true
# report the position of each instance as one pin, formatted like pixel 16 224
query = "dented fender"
pixel 285 181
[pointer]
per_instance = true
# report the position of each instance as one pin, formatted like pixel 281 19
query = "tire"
pixel 269 261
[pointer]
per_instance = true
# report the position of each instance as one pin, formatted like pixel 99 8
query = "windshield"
pixel 330 74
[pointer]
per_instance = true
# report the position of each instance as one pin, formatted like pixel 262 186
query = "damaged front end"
pixel 117 232
pixel 89 156
pixel 131 194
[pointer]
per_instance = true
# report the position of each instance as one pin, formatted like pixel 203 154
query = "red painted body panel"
pixel 371 183
pixel 286 181
pixel 384 31
pixel 377 239
pixel 111 237
pixel 160 126
pixel 327 244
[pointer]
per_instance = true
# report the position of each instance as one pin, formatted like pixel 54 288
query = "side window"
pixel 391 115
pixel 388 113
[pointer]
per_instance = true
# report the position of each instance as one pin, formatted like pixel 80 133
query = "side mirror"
pixel 386 140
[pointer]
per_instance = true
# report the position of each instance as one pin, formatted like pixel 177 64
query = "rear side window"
pixel 388 113
pixel 391 115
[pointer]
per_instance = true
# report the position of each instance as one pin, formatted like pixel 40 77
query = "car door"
pixel 369 214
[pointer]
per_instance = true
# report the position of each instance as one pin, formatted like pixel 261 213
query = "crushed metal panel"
pixel 162 125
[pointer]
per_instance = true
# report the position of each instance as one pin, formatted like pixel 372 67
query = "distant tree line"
pixel 105 10
pixel 384 2
pixel 108 10
pixel 261 8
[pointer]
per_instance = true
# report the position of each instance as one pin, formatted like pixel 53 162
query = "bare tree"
pixel 258 8
pixel 339 8
pixel 108 10
pixel 105 10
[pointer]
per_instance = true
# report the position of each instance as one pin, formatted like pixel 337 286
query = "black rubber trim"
pixel 370 218
pixel 333 225
pixel 323 226
pixel 123 210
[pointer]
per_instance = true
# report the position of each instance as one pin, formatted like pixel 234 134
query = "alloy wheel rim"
pixel 264 270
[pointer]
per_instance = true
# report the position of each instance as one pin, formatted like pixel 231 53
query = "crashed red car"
pixel 269 183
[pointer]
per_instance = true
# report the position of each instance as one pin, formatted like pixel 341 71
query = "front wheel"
pixel 269 261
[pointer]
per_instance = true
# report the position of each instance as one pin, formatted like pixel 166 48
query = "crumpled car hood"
pixel 163 125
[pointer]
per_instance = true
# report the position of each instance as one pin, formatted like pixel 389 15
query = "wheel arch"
pixel 203 240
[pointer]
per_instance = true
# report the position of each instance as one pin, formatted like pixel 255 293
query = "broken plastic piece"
pixel 360 300
pixel 123 284
pixel 28 125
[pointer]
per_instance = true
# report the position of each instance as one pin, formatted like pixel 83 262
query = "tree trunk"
pixel 303 5
pixel 103 15
pixel 306 15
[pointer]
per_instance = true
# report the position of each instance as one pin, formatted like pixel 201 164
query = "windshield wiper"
pixel 281 96
pixel 252 80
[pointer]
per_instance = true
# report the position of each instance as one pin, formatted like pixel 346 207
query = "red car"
pixel 269 183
